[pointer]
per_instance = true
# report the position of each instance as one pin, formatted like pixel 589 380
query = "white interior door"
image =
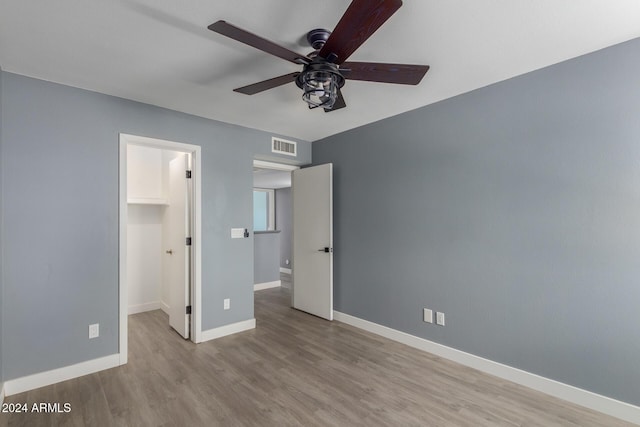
pixel 312 190
pixel 177 255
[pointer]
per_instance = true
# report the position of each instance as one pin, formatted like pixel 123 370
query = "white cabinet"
pixel 145 176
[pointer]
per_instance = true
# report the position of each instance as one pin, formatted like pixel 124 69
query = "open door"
pixel 178 254
pixel 312 190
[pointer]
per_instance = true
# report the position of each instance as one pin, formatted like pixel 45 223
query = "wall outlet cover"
pixel 227 303
pixel 428 315
pixel 94 330
pixel 440 318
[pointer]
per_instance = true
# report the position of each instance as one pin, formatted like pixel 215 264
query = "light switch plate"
pixel 440 318
pixel 237 233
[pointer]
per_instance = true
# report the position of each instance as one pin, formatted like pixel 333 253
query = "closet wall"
pixel 147 186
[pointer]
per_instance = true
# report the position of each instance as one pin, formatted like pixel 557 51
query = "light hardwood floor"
pixel 293 369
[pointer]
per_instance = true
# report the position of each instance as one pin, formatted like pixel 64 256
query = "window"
pixel 263 209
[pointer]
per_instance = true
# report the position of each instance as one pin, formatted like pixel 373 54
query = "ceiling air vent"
pixel 282 146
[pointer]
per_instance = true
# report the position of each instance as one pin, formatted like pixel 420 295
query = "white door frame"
pixel 262 164
pixel 196 247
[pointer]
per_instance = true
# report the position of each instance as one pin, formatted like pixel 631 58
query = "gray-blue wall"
pixel 513 209
pixel 284 222
pixel 266 256
pixel 60 209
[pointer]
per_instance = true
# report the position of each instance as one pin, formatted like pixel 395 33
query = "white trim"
pixel 273 165
pixel 141 308
pixel 164 307
pixel 267 285
pixel 196 297
pixel 42 379
pixel 223 331
pixel 285 270
pixel 196 291
pixel 122 253
pixel 606 405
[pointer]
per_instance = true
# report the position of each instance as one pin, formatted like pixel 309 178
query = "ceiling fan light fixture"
pixel 320 89
pixel 320 82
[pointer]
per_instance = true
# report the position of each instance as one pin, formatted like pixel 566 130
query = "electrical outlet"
pixel 94 330
pixel 227 303
pixel 440 318
pixel 287 262
pixel 428 315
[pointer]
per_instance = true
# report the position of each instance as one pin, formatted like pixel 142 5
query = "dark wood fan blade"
pixel 359 22
pixel 267 84
pixel 404 74
pixel 258 42
pixel 338 104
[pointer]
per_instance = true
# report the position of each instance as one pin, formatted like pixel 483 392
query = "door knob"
pixel 170 252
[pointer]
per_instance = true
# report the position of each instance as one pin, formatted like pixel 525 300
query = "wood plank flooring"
pixel 293 369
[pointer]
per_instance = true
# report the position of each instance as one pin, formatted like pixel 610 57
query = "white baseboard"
pixel 267 285
pixel 148 306
pixel 285 270
pixel 164 307
pixel 606 405
pixel 31 382
pixel 223 331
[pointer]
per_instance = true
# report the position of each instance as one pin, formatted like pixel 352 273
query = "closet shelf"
pixel 147 201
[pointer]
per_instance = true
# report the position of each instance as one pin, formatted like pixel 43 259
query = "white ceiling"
pixel 160 51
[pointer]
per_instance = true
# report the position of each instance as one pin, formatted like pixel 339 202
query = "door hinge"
pixel 188 309
pixel 188 174
pixel 188 241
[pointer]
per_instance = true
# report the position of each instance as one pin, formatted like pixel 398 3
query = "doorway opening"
pixel 272 225
pixel 311 214
pixel 160 228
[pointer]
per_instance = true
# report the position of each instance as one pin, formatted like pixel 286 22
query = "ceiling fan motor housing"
pixel 318 37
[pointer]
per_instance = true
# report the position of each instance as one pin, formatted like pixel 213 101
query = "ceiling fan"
pixel 325 69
